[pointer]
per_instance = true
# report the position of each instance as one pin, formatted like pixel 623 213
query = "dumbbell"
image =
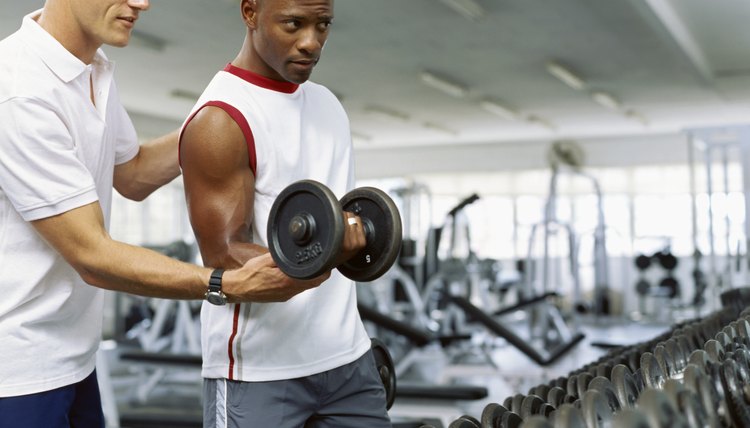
pixel 306 228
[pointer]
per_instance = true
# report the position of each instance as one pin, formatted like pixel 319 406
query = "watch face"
pixel 216 298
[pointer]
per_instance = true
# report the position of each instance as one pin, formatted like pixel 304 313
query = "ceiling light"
pixel 606 100
pixel 360 136
pixel 387 113
pixel 496 108
pixel 565 75
pixel 440 128
pixel 185 94
pixel 539 121
pixel 147 40
pixel 442 84
pixel 632 114
pixel 469 9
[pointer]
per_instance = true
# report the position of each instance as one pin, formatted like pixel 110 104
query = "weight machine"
pixel 568 155
pixel 715 148
pixel 455 287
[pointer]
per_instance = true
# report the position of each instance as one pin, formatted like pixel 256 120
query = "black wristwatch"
pixel 214 295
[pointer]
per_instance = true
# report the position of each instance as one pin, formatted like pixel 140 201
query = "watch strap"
pixel 214 283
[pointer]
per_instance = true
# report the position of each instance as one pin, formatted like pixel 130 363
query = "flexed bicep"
pixel 219 187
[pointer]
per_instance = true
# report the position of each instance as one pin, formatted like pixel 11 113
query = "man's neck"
pixel 61 25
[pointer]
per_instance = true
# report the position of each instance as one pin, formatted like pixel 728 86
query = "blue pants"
pixel 74 406
pixel 351 396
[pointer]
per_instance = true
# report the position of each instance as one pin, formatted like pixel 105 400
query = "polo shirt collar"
pixel 64 64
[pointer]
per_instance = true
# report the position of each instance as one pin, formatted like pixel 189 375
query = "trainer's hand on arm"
pixel 220 190
pixel 154 166
pixel 80 237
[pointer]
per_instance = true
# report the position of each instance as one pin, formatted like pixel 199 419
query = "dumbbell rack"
pixel 695 375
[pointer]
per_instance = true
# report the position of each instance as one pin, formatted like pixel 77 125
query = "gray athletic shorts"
pixel 350 396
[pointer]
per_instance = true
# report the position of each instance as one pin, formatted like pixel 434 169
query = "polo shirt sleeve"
pixel 40 172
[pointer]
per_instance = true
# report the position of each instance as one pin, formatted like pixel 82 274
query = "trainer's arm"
pixel 219 190
pixel 154 166
pixel 80 237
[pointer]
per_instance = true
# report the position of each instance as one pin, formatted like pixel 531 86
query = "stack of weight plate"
pixel 696 375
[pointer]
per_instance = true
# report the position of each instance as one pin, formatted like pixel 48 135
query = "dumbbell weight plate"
pixel 738 407
pixel 556 396
pixel 305 229
pixel 605 387
pixel 536 421
pixel 516 403
pixel 659 410
pixel 595 409
pixel 465 421
pixel 531 405
pixel 653 375
pixel 695 412
pixel 568 416
pixel 511 420
pixel 382 223
pixel 492 415
pixel 630 418
pixel 386 370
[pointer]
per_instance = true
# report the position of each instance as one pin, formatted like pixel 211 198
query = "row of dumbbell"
pixel 615 384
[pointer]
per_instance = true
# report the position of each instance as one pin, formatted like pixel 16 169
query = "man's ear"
pixel 249 10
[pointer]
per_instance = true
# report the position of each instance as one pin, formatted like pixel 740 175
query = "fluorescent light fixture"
pixel 606 100
pixel 632 114
pixel 387 113
pixel 539 121
pixel 147 40
pixel 185 94
pixel 469 9
pixel 565 75
pixel 360 136
pixel 439 128
pixel 442 84
pixel 498 109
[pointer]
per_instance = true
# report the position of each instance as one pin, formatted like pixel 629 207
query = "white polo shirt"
pixel 57 152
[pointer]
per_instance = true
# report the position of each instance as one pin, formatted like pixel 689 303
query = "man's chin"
pixel 118 42
pixel 299 78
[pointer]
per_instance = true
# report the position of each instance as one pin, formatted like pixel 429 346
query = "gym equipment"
pixel 386 370
pixel 712 148
pixel 382 224
pixel 570 155
pixel 452 291
pixel 668 287
pixel 695 375
pixel 306 229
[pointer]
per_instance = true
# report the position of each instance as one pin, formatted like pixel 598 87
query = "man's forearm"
pixel 155 165
pixel 140 271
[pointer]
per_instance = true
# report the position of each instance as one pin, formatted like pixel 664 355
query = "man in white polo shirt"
pixel 65 141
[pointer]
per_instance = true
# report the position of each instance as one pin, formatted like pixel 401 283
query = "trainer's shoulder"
pixel 23 74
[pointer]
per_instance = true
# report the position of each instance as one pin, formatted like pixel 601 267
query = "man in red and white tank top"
pixel 259 126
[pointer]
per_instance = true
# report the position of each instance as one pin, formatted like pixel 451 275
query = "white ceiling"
pixel 677 63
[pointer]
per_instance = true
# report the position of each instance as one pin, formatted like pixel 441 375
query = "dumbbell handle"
pixel 367 226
